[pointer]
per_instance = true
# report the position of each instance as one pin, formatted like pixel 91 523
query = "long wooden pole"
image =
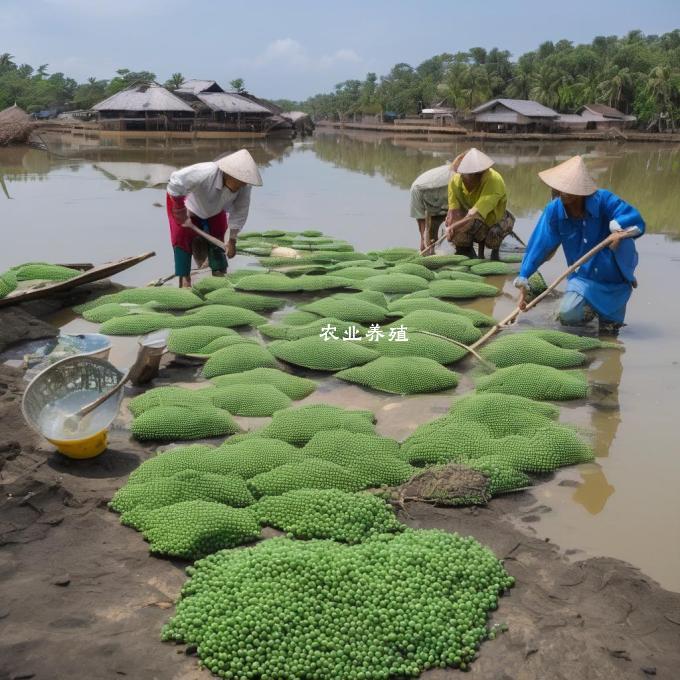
pixel 517 311
pixel 432 246
pixel 206 236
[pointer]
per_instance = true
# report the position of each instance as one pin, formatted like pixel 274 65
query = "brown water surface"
pixel 94 203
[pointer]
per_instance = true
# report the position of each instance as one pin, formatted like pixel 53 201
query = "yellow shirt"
pixel 489 198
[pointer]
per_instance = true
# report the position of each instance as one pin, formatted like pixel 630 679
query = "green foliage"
pixel 258 303
pixel 188 485
pixel 137 324
pixel 43 271
pixel 170 422
pixel 299 318
pixel 418 345
pixel 327 513
pixel 225 316
pixel 452 326
pixel 299 425
pixel 291 385
pixel 491 268
pixel 162 297
pixel 236 359
pixel 522 348
pixel 322 355
pixel 453 275
pixel 265 598
pixel 209 284
pixel 634 73
pixel 394 283
pixel 111 310
pixel 167 396
pixel 375 459
pixel 283 332
pixel 402 375
pixel 245 459
pixel 462 289
pixel 193 529
pixel 305 474
pixel 536 382
pixel 569 340
pixel 409 304
pixel 345 309
pixel 248 400
pixel 194 339
pixel 280 283
pixel 394 254
pixel 410 268
pixel 437 261
pixel 8 283
pixel 503 477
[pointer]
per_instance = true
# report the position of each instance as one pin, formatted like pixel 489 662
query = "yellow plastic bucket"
pixel 82 448
pixel 61 390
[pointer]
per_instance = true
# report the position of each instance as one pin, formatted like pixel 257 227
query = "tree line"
pixel 34 89
pixel 638 74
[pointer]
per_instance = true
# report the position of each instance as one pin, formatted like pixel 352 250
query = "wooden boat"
pixel 90 274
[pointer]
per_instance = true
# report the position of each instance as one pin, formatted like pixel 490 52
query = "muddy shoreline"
pixel 81 597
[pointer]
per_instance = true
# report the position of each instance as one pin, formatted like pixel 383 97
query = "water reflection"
pixel 646 175
pixel 134 163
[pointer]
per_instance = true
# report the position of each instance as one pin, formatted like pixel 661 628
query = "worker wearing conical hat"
pixel 204 194
pixel 578 218
pixel 477 202
pixel 429 202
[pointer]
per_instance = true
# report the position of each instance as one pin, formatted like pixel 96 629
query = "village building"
pixel 145 107
pixel 514 115
pixel 216 109
pixel 603 117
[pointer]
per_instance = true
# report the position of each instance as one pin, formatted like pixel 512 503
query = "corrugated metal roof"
pixel 230 103
pixel 526 107
pixel 143 98
pixel 194 86
pixel 604 110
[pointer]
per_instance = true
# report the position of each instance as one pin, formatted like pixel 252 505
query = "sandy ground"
pixel 81 598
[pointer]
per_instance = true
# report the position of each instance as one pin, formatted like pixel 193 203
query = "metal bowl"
pixel 63 388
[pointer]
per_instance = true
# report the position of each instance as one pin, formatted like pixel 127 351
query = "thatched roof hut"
pixel 145 106
pixel 15 125
pixel 143 97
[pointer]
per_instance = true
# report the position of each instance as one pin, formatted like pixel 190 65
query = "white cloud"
pixel 290 54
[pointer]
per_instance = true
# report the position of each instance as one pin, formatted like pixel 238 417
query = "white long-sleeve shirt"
pixel 203 185
pixel 429 192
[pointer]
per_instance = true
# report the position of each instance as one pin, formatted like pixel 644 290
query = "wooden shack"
pixel 514 115
pixel 603 117
pixel 145 107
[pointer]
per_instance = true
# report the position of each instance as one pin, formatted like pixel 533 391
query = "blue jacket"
pixel 605 281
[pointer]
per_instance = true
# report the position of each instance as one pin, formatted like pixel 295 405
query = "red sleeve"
pixel 177 201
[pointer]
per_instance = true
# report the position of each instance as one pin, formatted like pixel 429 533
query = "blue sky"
pixel 296 49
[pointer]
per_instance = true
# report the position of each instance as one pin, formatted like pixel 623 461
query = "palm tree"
pixel 615 85
pixel 545 85
pixel 7 62
pixel 174 82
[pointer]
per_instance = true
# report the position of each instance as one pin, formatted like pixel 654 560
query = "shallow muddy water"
pixel 94 203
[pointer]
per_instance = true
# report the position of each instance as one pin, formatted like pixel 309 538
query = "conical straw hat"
pixel 240 165
pixel 571 177
pixel 474 161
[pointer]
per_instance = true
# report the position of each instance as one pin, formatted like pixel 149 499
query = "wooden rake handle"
pixel 517 311
pixel 206 236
